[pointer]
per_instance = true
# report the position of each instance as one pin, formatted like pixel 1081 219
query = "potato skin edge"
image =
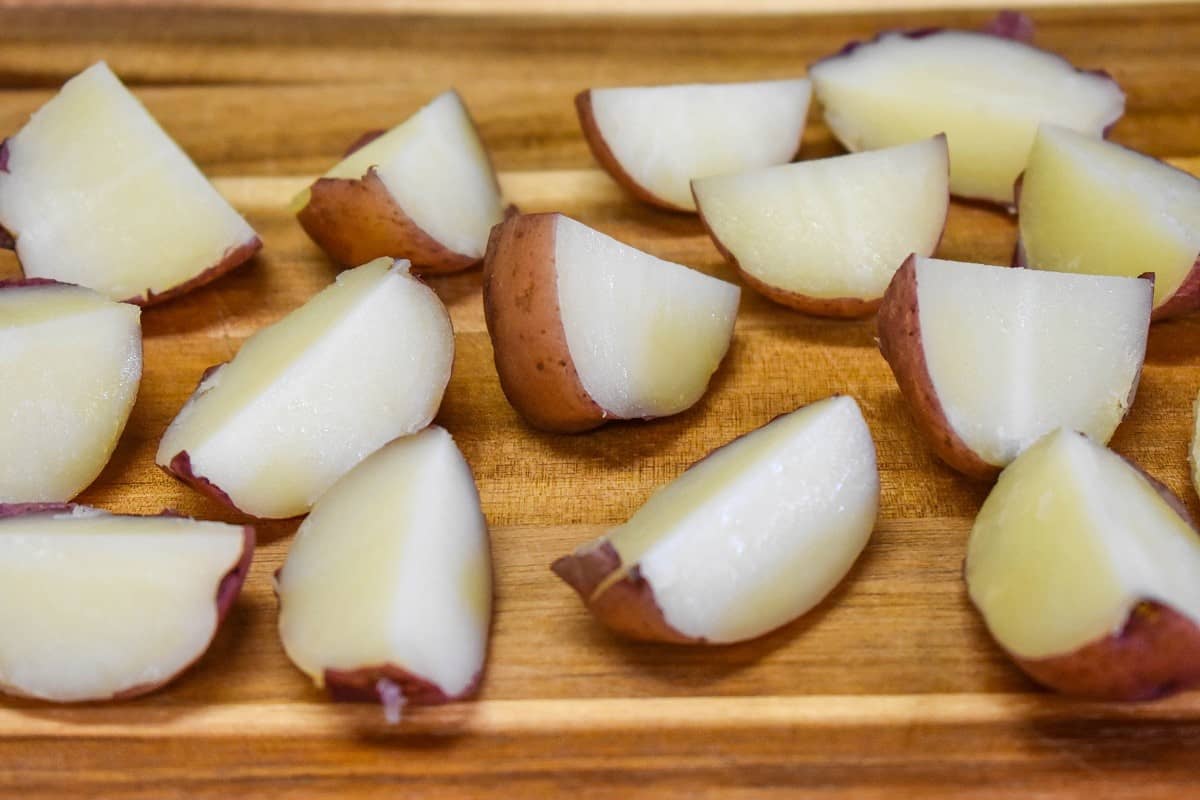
pixel 520 304
pixel 902 348
pixel 626 606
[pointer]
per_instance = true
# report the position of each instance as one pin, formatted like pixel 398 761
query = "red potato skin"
pixel 627 606
pixel 901 346
pixel 23 283
pixel 234 257
pixel 356 221
pixel 180 466
pixel 1186 298
pixel 360 686
pixel 520 304
pixel 226 595
pixel 1156 652
pixel 1008 24
pixel 7 242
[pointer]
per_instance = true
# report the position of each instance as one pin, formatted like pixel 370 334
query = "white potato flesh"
pixel 72 365
pixel 435 167
pixel 1068 542
pixel 392 567
pixel 645 335
pixel 1014 353
pixel 757 533
pixel 93 604
pixel 833 228
pixel 986 93
pixel 1092 206
pixel 97 194
pixel 364 361
pixel 664 136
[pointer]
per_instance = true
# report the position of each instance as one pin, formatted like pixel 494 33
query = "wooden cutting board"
pixel 891 687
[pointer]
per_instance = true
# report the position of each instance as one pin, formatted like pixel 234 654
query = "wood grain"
pixel 891 687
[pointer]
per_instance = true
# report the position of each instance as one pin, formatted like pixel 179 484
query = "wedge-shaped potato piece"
pixel 990 358
pixel 1092 206
pixel 425 191
pixel 72 363
pixel 95 193
pixel 586 329
pixel 307 398
pixel 986 92
pixel 96 606
pixel 654 139
pixel 1087 572
pixel 825 237
pixel 745 540
pixel 387 590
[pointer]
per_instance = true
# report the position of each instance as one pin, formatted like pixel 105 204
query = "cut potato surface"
pixel 307 398
pixel 425 191
pixel 987 93
pixel 73 362
pixel 655 139
pixel 991 358
pixel 95 606
pixel 645 334
pixel 587 329
pixel 96 193
pixel 1091 206
pixel 389 578
pixel 745 540
pixel 1066 553
pixel 826 236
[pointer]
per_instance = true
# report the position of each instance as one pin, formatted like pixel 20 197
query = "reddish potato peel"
pixel 233 257
pixel 357 220
pixel 520 303
pixel 627 605
pixel 1156 653
pixel 900 344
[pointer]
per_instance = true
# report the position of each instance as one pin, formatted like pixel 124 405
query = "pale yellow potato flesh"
pixel 757 533
pixel 645 335
pixel 1014 354
pixel 72 365
pixel 664 136
pixel 1096 207
pixel 362 362
pixel 393 567
pixel 99 195
pixel 93 604
pixel 1068 542
pixel 987 94
pixel 836 227
pixel 435 167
